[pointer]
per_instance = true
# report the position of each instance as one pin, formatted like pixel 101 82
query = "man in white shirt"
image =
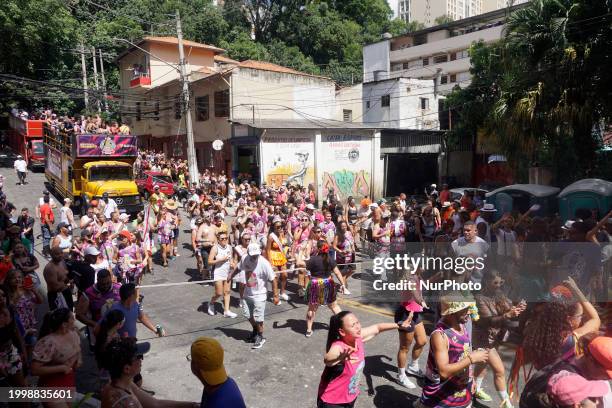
pixel 258 272
pixel 110 207
pixel 21 168
pixel 470 245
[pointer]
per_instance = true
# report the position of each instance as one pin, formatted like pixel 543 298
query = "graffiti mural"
pixel 288 160
pixel 346 165
pixel 347 183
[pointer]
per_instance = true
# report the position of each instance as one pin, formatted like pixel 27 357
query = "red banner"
pixel 106 145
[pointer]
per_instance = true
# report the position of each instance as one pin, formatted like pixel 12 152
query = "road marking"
pixel 372 309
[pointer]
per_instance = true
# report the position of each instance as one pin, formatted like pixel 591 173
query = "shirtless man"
pixel 59 293
pixel 206 238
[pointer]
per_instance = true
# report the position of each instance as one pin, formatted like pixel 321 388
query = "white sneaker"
pixel 230 314
pixel 405 381
pixel 211 309
pixel 346 291
pixel 284 296
pixel 415 371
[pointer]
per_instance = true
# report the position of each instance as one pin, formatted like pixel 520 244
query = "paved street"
pixel 284 372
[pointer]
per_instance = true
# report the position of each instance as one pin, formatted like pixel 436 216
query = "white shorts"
pixel 220 274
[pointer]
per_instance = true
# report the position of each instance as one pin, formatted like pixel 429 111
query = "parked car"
pixel 457 193
pixel 147 180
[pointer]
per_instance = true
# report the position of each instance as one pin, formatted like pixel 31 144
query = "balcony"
pixel 460 42
pixel 142 80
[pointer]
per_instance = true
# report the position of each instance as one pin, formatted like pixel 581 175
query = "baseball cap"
pixel 310 207
pixel 156 187
pixel 62 225
pixel 143 348
pixel 91 250
pixel 207 357
pixel 373 205
pixel 85 233
pixel 601 350
pixel 45 192
pixel 254 249
pixel 381 201
pixel 568 388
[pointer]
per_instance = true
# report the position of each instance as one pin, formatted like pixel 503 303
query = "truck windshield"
pixel 161 179
pixel 37 148
pixel 110 173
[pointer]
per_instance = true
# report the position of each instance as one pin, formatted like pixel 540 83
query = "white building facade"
pixel 437 53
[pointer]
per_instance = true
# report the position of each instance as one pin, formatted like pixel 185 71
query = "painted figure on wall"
pixel 347 183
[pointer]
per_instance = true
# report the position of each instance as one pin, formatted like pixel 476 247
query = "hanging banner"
pixel 106 145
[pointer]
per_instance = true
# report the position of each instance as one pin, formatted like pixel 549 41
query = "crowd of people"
pixel 81 124
pixel 249 237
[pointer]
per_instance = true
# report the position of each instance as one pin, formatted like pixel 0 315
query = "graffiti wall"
pixel 346 165
pixel 289 160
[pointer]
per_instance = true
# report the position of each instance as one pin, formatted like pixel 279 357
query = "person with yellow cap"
pixel 448 381
pixel 220 391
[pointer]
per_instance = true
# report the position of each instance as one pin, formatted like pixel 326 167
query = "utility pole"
pixel 191 155
pixel 84 72
pixel 95 66
pixel 103 82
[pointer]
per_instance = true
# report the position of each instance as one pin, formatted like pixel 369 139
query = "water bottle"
pixel 160 330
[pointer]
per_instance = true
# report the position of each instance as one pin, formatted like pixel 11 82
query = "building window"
pixel 222 107
pixel 444 79
pixel 424 103
pixel 453 56
pixel 438 59
pixel 367 104
pixel 202 108
pixel 406 65
pixel 385 101
pixel 425 61
pixel 453 77
pixel 347 115
pixel 420 39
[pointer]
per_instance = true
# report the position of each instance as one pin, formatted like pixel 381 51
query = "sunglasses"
pixel 223 238
pixel 318 231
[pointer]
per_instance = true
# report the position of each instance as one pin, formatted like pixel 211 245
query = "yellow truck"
pixel 85 166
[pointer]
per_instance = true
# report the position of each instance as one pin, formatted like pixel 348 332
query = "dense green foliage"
pixel 542 93
pixel 41 38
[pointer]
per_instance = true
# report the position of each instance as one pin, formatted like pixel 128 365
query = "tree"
pixel 443 19
pixel 543 91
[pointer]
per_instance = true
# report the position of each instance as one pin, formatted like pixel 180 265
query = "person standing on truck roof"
pixel 21 168
pixel 110 207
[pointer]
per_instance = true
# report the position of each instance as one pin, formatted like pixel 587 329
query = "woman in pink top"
pixel 345 358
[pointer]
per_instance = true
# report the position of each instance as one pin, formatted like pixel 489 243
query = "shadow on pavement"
pixel 375 366
pixel 236 334
pixel 388 396
pixel 299 326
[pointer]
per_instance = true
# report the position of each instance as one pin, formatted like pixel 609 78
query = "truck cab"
pixel 113 177
pixel 36 154
pixel 85 166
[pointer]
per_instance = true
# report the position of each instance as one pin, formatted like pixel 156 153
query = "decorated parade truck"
pixel 85 166
pixel 25 137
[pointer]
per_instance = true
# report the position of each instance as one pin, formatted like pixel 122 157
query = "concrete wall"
pixel 376 57
pixel 347 161
pixel 405 110
pixel 349 98
pixel 281 96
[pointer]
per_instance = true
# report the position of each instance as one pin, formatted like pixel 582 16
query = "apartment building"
pixel 491 5
pixel 437 53
pixel 426 11
pixel 273 122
